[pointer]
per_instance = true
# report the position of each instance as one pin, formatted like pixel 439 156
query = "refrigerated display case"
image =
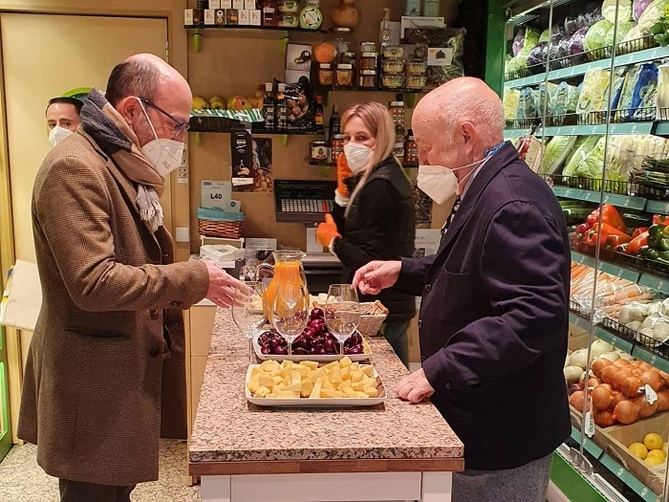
pixel 584 87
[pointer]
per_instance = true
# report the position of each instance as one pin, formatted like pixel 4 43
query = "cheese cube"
pixel 254 383
pixel 262 392
pixel 332 394
pixel 287 394
pixel 335 375
pixel 269 365
pixel 357 375
pixel 277 380
pixel 345 361
pixel 371 391
pixel 349 392
pixel 346 373
pixel 368 370
pixel 306 389
pixel 265 380
pixel 316 391
pixel 309 364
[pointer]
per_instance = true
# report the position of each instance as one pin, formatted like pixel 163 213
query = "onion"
pixel 665 376
pixel 601 398
pixel 622 363
pixel 594 382
pixel 611 356
pixel 600 347
pixel 645 366
pixel 620 377
pixel 572 373
pixel 577 400
pixel 606 385
pixel 579 358
pixel 604 419
pixel 630 386
pixel 637 371
pixel 644 407
pixel 616 397
pixel 663 400
pixel 625 412
pixel 608 373
pixel 598 365
pixel 652 378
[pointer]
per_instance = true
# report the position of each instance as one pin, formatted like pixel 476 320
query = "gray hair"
pixel 133 77
pixel 489 114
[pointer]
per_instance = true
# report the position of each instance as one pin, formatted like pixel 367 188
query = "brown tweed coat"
pixel 92 391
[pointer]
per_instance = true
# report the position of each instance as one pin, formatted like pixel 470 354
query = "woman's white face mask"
pixel 357 156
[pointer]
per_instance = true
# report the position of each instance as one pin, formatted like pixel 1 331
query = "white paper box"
pixel 250 4
pixel 256 17
pixel 22 300
pixel 188 17
pixel 214 4
pixel 244 17
pixel 209 18
pixel 238 4
pixel 226 4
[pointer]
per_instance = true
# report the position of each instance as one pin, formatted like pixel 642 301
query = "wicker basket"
pixel 213 222
pixel 373 316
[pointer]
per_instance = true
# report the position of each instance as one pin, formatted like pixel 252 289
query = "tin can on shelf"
pixel 337 147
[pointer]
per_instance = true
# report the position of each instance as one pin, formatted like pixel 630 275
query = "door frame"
pixel 175 54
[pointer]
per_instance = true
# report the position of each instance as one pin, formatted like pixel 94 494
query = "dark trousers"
pixel 396 334
pixel 78 491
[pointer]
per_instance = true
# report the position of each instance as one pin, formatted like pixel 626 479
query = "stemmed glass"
pixel 248 315
pixel 342 312
pixel 290 312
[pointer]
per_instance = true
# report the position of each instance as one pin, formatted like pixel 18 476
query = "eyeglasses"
pixel 179 127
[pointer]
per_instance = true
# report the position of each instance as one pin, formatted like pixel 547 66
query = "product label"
pixel 256 18
pixel 238 4
pixel 209 18
pixel 649 392
pixel 589 424
pixel 439 56
pixel 188 17
pixel 244 17
pixel 226 4
pixel 259 244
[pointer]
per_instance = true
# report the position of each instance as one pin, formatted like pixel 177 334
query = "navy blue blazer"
pixel 494 317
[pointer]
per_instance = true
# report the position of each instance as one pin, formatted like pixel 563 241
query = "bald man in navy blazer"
pixel 494 316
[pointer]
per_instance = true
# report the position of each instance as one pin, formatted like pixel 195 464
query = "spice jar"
pixel 319 153
pixel 367 79
pixel 397 112
pixel 344 75
pixel 337 147
pixel 368 61
pixel 410 150
pixel 326 75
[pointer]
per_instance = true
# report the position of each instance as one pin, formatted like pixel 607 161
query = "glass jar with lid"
pixel 367 79
pixel 367 46
pixel 368 61
pixel 397 112
pixel 344 75
pixel 326 75
pixel 410 150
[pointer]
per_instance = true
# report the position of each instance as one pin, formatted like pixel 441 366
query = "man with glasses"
pixel 105 373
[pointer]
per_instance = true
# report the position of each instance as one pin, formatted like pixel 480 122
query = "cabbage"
pixel 654 13
pixel 633 34
pixel 528 104
pixel 564 99
pixel 581 151
pixel 576 41
pixel 592 17
pixel 592 165
pixel 516 64
pixel 597 34
pixel 638 7
pixel 624 10
pixel 538 54
pixel 572 25
pixel 518 41
pixel 545 35
pixel 623 29
pixel 526 38
pixel 556 152
pixel 510 102
pixel 593 92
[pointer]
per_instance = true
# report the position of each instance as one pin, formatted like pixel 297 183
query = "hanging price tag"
pixel 649 392
pixel 589 425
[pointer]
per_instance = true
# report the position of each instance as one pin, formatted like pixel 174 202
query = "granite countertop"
pixel 229 429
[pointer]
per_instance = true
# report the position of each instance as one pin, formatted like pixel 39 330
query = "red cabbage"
pixel 518 41
pixel 538 54
pixel 638 7
pixel 576 41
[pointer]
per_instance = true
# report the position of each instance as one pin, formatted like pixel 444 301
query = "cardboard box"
pixel 238 4
pixel 214 4
pixel 250 4
pixel 256 17
pixel 420 22
pixel 226 4
pixel 621 436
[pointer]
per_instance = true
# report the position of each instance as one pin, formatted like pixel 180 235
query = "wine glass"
pixel 290 312
pixel 249 317
pixel 342 312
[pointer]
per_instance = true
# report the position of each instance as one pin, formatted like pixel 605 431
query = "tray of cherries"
pixel 315 343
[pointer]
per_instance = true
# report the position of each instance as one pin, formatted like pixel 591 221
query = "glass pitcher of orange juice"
pixel 287 270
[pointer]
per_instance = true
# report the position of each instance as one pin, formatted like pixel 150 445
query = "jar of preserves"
pixel 368 61
pixel 367 46
pixel 326 75
pixel 393 81
pixel 416 68
pixel 416 81
pixel 367 79
pixel 319 153
pixel 393 66
pixel 393 52
pixel 397 112
pixel 337 147
pixel 344 75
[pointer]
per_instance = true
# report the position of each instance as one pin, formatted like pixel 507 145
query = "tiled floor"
pixel 22 480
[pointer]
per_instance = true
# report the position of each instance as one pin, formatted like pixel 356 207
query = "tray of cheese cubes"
pixel 309 384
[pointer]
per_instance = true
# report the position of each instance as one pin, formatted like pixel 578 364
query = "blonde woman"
pixel 373 218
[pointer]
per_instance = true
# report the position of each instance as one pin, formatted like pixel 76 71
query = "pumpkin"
pixel 325 52
pixel 346 15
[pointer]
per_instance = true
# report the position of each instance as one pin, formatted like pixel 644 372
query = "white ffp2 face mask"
pixel 58 134
pixel 439 182
pixel 165 155
pixel 357 156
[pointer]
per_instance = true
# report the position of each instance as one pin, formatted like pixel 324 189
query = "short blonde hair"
pixel 378 120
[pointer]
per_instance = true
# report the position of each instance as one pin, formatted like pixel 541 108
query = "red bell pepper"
pixel 609 215
pixel 639 231
pixel 660 219
pixel 637 243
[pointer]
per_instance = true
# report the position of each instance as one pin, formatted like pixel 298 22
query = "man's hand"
pixel 414 387
pixel 224 290
pixel 376 276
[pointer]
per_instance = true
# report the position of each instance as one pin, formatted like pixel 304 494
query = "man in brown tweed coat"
pixel 109 339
